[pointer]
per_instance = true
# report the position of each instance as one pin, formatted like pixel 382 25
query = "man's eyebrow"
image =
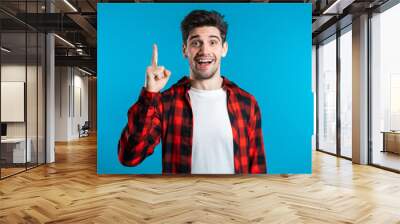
pixel 213 36
pixel 194 36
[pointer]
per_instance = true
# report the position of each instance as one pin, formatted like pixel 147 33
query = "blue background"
pixel 269 56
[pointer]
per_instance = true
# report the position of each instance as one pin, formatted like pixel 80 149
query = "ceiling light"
pixel 337 7
pixel 329 9
pixel 70 5
pixel 65 41
pixel 84 71
pixel 5 50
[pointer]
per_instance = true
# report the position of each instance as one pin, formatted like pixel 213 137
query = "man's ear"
pixel 224 49
pixel 184 50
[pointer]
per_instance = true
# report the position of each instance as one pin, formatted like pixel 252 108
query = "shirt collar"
pixel 226 83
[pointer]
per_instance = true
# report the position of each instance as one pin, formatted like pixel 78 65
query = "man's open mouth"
pixel 204 62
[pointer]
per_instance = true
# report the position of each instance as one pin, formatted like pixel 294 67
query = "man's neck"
pixel 207 84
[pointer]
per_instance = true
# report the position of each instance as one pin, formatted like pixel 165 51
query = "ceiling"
pixel 76 22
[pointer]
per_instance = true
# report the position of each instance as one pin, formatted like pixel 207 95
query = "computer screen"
pixel 3 129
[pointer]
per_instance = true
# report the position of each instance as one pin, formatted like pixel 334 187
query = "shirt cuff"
pixel 149 98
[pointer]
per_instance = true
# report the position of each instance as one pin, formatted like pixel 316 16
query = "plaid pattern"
pixel 168 116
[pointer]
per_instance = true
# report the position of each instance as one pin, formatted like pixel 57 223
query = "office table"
pixel 13 150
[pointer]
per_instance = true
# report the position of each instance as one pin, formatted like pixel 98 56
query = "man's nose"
pixel 205 48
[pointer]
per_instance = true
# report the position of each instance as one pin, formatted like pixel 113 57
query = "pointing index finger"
pixel 154 59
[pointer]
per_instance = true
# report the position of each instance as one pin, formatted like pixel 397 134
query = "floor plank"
pixel 70 191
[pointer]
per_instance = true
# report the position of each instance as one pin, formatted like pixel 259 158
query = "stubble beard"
pixel 204 75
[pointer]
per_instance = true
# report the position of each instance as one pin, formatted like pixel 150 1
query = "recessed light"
pixel 70 5
pixel 5 50
pixel 64 40
pixel 84 71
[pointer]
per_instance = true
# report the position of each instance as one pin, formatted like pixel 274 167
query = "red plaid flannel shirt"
pixel 168 116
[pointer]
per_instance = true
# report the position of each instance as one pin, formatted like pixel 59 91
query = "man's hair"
pixel 199 18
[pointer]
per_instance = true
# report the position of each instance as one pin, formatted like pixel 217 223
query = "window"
pixel 346 92
pixel 327 95
pixel 385 88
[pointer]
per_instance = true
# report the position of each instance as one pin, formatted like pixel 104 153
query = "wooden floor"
pixel 387 159
pixel 70 191
pixel 5 172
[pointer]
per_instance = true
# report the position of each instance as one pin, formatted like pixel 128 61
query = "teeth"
pixel 204 60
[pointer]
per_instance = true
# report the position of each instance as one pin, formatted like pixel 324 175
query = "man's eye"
pixel 213 42
pixel 196 43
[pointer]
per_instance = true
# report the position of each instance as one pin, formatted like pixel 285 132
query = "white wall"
pixel 16 72
pixel 71 94
pixel 61 103
pixel 80 109
pixel 13 73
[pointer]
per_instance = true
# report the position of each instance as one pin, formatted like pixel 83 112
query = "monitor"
pixel 3 129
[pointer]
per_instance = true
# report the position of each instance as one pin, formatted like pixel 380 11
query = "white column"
pixel 50 92
pixel 360 90
pixel 50 100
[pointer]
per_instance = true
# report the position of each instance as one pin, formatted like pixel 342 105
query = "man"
pixel 208 125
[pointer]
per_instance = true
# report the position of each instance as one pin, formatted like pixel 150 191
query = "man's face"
pixel 204 49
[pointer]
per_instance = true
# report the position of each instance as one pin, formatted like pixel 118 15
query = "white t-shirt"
pixel 212 145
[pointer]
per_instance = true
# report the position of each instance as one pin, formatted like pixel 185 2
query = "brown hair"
pixel 199 18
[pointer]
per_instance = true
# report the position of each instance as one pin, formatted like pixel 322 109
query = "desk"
pixel 15 148
pixel 391 141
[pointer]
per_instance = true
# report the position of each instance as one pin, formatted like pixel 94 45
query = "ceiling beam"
pixel 86 26
pixel 82 61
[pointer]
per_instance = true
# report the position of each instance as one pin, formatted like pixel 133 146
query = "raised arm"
pixel 143 130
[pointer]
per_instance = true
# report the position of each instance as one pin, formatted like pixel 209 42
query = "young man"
pixel 208 125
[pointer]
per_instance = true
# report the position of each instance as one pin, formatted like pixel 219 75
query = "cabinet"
pixel 391 141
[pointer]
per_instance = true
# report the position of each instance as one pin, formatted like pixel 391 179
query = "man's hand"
pixel 156 76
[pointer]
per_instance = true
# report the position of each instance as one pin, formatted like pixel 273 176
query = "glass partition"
pixel 22 77
pixel 32 95
pixel 14 154
pixel 41 87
